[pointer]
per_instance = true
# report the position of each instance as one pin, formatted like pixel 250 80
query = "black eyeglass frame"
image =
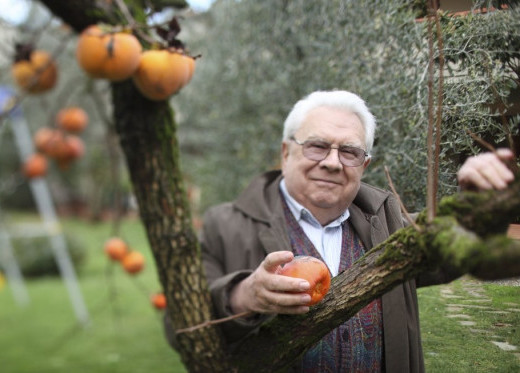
pixel 359 151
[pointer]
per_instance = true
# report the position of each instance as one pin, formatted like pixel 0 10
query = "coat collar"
pixel 261 199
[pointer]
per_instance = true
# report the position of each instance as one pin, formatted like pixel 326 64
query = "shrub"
pixel 35 255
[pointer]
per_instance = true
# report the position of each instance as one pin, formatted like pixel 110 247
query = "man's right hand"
pixel 486 171
pixel 265 291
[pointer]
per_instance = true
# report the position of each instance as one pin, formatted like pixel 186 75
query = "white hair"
pixel 336 99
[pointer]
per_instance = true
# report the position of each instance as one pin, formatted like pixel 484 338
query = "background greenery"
pixel 260 57
pixel 257 58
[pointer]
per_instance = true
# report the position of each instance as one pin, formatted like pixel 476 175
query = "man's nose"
pixel 331 161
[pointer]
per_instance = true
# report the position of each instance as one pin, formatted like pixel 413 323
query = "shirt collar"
pixel 301 213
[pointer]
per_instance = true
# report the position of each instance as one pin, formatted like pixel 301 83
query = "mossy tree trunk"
pixel 147 132
pixel 148 137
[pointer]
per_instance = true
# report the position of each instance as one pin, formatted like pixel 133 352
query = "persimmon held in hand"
pixel 34 70
pixel 161 73
pixel 108 55
pixel 133 262
pixel 35 166
pixel 314 271
pixel 72 119
pixel 158 301
pixel 116 248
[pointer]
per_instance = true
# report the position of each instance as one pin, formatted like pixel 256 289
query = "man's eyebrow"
pixel 317 138
pixel 312 137
pixel 352 145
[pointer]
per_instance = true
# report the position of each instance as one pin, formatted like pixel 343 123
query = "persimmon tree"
pixel 466 232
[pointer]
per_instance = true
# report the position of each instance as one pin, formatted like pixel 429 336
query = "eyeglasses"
pixel 318 150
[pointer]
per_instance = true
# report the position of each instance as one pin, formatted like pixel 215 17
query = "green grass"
pixel 125 334
pixel 451 347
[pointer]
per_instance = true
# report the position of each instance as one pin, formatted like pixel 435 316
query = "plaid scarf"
pixel 356 345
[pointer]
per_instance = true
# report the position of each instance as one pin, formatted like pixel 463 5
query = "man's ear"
pixel 284 153
pixel 366 163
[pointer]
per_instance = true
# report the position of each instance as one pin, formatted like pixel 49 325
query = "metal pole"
pixel 11 268
pixel 45 207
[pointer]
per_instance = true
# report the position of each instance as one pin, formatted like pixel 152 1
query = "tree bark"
pixel 148 138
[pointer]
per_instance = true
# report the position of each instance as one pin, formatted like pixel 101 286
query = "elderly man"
pixel 317 205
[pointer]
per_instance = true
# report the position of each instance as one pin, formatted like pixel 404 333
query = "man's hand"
pixel 264 291
pixel 486 171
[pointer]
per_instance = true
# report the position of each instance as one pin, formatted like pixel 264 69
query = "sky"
pixel 14 11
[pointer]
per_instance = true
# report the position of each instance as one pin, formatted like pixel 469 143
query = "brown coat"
pixel 237 236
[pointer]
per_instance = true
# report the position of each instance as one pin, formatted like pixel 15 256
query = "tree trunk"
pixel 148 138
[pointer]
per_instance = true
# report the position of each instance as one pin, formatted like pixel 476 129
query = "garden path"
pixel 472 295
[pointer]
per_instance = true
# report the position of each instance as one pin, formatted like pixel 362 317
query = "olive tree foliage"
pixel 260 57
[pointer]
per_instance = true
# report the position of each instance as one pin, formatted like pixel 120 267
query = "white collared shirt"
pixel 326 239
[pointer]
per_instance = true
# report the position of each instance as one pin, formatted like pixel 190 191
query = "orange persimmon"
pixel 314 271
pixel 161 73
pixel 158 301
pixel 34 71
pixel 72 119
pixel 35 166
pixel 116 248
pixel 133 262
pixel 106 54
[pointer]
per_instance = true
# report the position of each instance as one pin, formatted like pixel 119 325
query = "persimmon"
pixel 190 61
pixel 75 147
pixel 133 262
pixel 314 271
pixel 35 166
pixel 72 119
pixel 53 144
pixel 116 248
pixel 106 54
pixel 161 73
pixel 158 301
pixel 42 138
pixel 34 71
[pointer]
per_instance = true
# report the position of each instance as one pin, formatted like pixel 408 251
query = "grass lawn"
pixel 450 346
pixel 126 333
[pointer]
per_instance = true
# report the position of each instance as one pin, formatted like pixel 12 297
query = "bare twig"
pixel 440 94
pixel 502 108
pixel 403 208
pixel 430 179
pixel 213 322
pixel 434 121
pixel 126 12
pixel 132 22
pixel 481 141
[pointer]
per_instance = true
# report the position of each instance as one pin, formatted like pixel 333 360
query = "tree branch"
pixel 404 255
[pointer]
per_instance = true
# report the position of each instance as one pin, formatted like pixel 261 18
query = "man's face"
pixel 324 187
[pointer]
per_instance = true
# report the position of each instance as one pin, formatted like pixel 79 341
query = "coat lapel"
pixel 372 232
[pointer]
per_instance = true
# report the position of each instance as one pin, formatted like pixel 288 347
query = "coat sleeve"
pixel 227 261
